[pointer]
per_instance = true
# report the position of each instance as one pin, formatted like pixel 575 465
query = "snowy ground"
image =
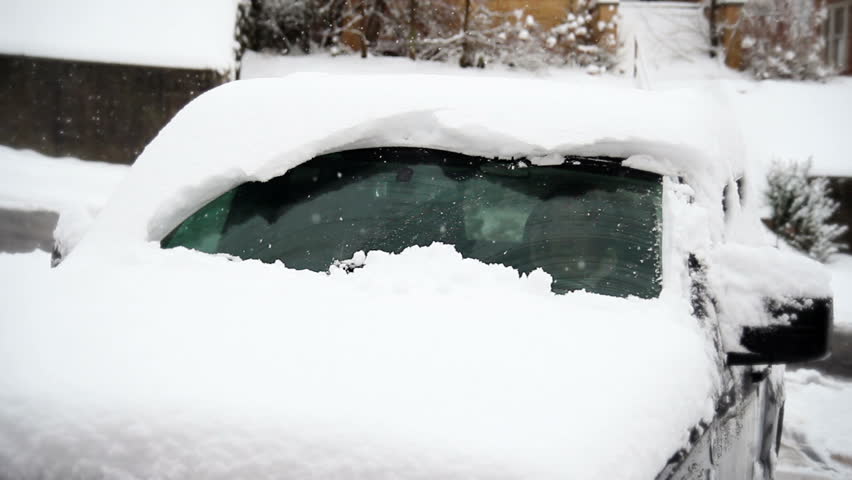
pixel 817 427
pixel 30 181
pixel 34 189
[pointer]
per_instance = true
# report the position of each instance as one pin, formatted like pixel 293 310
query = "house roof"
pixel 166 33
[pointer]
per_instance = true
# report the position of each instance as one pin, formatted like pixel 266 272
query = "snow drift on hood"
pixel 419 365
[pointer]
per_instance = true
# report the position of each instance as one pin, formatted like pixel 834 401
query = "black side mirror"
pixel 804 337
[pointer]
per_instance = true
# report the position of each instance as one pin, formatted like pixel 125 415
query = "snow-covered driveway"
pixel 817 438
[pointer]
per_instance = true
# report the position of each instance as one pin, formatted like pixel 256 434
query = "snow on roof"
pixel 258 129
pixel 32 181
pixel 165 33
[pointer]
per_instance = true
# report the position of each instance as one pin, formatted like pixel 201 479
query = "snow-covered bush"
pixel 783 39
pixel 243 31
pixel 517 39
pixel 575 42
pixel 419 29
pixel 441 30
pixel 287 26
pixel 801 208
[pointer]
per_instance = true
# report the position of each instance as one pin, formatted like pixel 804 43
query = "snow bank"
pixel 840 267
pixel 797 120
pixel 31 181
pixel 817 435
pixel 258 129
pixel 164 33
pixel 418 365
pixel 28 267
pixel 75 189
pixel 258 65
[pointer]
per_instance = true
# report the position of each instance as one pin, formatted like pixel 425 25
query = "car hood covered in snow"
pixel 177 364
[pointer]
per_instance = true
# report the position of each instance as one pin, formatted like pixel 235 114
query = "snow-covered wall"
pixel 165 33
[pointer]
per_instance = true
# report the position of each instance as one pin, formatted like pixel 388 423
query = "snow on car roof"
pixel 165 33
pixel 258 129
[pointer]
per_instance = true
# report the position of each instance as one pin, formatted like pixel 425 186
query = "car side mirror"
pixel 803 336
pixel 773 306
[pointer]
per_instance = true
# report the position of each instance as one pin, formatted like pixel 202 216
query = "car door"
pixel 741 440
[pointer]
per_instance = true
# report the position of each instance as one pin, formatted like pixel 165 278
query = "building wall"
pixel 89 110
pixel 547 13
pixel 727 17
pixel 848 69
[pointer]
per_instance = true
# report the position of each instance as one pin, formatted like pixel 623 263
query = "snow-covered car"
pixel 417 277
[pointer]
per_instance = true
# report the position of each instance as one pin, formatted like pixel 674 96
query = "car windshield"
pixel 590 224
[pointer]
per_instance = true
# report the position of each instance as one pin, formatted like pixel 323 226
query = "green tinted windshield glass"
pixel 590 224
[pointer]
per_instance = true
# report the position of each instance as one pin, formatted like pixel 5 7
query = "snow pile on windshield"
pixel 430 268
pixel 221 369
pixel 164 33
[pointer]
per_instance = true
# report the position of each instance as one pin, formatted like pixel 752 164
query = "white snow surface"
pixel 418 365
pixel 247 135
pixel 817 434
pixel 778 119
pixel 75 189
pixel 32 181
pixel 165 33
pixel 655 35
pixel 840 266
pixel 797 120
